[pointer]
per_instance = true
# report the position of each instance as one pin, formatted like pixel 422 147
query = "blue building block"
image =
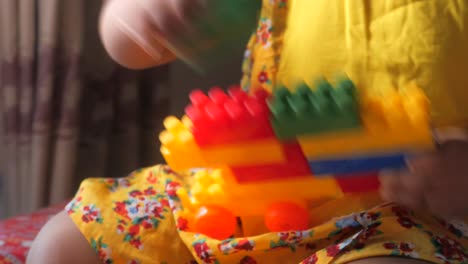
pixel 361 164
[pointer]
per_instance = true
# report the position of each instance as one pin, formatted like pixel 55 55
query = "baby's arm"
pixel 134 32
pixel 59 242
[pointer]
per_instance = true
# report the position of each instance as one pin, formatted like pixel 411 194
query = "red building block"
pixel 358 183
pixel 295 166
pixel 221 118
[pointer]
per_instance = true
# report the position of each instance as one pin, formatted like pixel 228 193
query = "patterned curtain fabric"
pixel 68 112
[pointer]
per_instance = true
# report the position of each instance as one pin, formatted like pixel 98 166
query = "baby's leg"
pixel 60 241
pixel 388 260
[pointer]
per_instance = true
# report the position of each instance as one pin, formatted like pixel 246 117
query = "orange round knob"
pixel 215 222
pixel 286 216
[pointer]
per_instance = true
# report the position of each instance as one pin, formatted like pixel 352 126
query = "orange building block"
pixel 217 187
pixel 181 151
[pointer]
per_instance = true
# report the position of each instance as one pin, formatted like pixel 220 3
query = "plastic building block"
pixel 219 118
pixel 397 121
pixel 242 154
pixel 215 187
pixel 227 27
pixel 358 183
pixel 358 164
pixel 295 166
pixel 286 216
pixel 181 152
pixel 215 221
pixel 270 168
pixel 178 146
pixel 307 112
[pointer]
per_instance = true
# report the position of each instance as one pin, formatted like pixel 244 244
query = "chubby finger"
pixel 411 193
pixel 403 188
pixel 389 185
pixel 425 167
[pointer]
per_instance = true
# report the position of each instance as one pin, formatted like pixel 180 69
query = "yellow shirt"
pixel 380 45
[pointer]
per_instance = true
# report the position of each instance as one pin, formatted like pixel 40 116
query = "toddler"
pixel 380 45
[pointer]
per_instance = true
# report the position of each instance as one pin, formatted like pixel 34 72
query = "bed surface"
pixel 17 233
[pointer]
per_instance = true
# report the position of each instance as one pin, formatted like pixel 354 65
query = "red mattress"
pixel 17 233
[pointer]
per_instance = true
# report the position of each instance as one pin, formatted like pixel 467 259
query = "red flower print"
pixel 204 252
pixel 157 212
pixel 150 191
pixel 120 229
pixel 405 247
pixel 284 236
pixel 244 244
pixel 370 231
pixel 390 245
pixel 264 36
pixel 449 250
pixel 311 260
pixel 121 209
pixel 450 227
pixel 147 224
pixel 135 193
pixel 171 188
pixel 264 32
pixel 263 77
pixel 90 214
pixel 134 230
pixel 248 260
pixel 406 222
pixel 401 249
pixel 136 243
pixel 333 250
pixel 182 224
pixel 86 218
pixel 151 178
pixel 164 202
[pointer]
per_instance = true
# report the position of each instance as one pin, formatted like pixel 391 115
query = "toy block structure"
pixel 181 151
pixel 213 186
pixel 357 164
pixel 308 112
pixel 393 127
pixel 178 145
pixel 272 156
pixel 294 166
pixel 221 118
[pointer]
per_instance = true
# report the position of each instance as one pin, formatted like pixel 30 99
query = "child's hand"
pixel 137 33
pixel 437 182
pixel 173 19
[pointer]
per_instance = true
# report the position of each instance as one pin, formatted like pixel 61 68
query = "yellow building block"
pixel 393 122
pixel 178 146
pixel 181 152
pixel 210 187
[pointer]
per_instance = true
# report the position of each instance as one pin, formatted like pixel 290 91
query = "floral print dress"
pixel 139 219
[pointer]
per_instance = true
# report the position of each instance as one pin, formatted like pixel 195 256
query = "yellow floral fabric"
pixel 380 45
pixel 138 220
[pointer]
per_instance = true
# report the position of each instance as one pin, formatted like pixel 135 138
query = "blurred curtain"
pixel 67 112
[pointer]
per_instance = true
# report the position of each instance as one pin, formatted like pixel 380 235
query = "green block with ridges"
pixel 308 112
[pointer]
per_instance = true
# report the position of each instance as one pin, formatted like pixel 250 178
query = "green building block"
pixel 308 112
pixel 226 26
